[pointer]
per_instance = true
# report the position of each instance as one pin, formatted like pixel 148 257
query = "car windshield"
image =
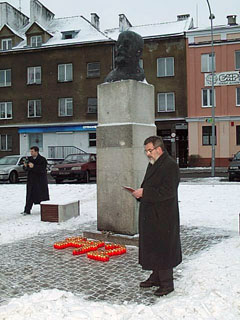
pixel 9 160
pixel 237 156
pixel 77 158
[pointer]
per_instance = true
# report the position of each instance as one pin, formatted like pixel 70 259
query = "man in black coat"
pixel 159 234
pixel 37 183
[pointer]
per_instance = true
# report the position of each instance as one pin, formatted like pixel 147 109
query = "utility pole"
pixel 211 17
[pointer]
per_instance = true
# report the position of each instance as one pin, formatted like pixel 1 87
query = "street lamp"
pixel 211 17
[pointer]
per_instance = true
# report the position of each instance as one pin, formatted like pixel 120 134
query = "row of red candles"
pixel 91 247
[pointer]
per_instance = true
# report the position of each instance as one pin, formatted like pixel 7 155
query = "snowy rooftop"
pixel 87 32
pixel 157 29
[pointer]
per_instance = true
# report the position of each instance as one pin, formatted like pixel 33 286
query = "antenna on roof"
pixel 20 7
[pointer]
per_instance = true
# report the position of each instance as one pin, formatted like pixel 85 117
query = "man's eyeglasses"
pixel 150 150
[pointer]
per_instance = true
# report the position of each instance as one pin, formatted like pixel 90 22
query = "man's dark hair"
pixel 35 148
pixel 157 141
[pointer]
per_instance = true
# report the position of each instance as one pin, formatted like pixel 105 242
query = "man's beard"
pixel 151 160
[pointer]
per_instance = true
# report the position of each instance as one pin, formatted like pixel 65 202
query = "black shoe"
pixel 26 213
pixel 149 283
pixel 163 291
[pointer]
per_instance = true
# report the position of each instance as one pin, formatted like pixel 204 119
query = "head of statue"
pixel 129 48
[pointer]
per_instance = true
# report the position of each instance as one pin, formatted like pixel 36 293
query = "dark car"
pixel 81 167
pixel 234 167
pixel 11 169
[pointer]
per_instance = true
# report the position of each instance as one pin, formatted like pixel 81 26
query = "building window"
pixel 165 67
pixel 65 107
pixel 5 78
pixel 93 69
pixel 166 102
pixel 141 63
pixel 92 139
pixel 69 34
pixel 35 139
pixel 5 110
pixel 34 108
pixel 65 72
pixel 34 75
pixel 207 136
pixel 238 135
pixel 238 96
pixel 5 142
pixel 237 59
pixel 207 98
pixel 36 41
pixel 6 44
pixel 206 62
pixel 92 105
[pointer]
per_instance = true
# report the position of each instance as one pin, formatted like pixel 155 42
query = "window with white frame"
pixel 207 135
pixel 34 75
pixel 165 67
pixel 238 96
pixel 237 59
pixel 36 41
pixel 5 142
pixel 5 110
pixel 6 44
pixel 92 139
pixel 5 78
pixel 207 98
pixel 206 62
pixel 34 108
pixel 93 69
pixel 35 139
pixel 166 102
pixel 92 105
pixel 65 72
pixel 65 107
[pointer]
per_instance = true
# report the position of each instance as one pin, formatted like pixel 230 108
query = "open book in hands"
pixel 129 189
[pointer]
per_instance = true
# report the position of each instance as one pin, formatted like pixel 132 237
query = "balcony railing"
pixel 60 152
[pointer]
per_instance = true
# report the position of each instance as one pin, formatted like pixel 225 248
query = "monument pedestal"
pixel 126 119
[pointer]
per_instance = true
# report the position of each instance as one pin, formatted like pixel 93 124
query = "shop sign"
pixel 223 78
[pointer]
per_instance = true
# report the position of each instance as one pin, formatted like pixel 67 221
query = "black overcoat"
pixel 159 239
pixel 37 183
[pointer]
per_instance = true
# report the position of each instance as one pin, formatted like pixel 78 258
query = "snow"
pixel 87 32
pixel 209 286
pixel 155 30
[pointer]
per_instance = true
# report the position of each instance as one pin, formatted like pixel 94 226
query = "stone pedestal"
pixel 126 119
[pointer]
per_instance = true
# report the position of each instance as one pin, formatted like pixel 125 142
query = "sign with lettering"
pixel 223 78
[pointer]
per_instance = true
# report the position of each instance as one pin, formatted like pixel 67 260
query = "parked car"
pixel 234 167
pixel 11 168
pixel 75 166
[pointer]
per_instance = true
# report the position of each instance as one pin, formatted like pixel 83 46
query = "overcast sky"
pixel 139 12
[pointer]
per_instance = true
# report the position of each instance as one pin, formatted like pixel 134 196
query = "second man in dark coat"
pixel 37 183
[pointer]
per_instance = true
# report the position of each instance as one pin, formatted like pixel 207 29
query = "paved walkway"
pixel 33 264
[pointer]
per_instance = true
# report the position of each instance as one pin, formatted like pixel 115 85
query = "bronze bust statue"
pixel 129 48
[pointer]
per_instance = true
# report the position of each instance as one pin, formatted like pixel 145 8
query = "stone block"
pixel 59 212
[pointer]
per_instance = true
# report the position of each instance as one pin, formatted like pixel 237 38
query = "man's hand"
pixel 31 165
pixel 138 193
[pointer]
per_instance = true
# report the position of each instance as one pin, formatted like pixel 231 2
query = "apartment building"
pixel 226 68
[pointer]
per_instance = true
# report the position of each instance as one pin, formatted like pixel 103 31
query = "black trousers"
pixel 163 277
pixel 29 203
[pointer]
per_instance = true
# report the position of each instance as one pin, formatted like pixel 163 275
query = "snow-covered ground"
pixel 210 284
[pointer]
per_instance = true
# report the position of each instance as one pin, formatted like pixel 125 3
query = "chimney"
pixel 39 13
pixel 124 23
pixel 232 20
pixel 95 20
pixel 182 17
